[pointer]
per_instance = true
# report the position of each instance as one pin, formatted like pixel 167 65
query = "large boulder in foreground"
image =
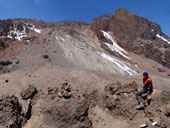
pixel 63 113
pixel 11 115
pixel 65 107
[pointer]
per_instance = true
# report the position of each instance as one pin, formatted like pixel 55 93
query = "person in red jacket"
pixel 147 88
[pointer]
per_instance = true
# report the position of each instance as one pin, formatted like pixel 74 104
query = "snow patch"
pixel 18 35
pixel 114 46
pixel 14 33
pixel 144 125
pixel 63 39
pixel 120 64
pixel 67 36
pixel 56 37
pixel 37 30
pixel 34 29
pixel 128 64
pixel 161 37
pixel 154 123
pixel 28 41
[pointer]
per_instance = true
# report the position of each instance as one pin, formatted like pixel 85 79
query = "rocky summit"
pixel 135 34
pixel 83 75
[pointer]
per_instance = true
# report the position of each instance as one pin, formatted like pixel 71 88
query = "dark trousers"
pixel 147 90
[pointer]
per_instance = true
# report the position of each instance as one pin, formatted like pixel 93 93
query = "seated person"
pixel 147 89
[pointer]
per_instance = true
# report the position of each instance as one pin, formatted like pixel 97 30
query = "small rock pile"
pixel 120 99
pixel 64 91
pixel 63 109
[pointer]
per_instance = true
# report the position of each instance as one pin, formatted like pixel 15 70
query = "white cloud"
pixel 37 1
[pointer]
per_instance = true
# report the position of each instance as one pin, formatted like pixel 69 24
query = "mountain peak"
pixel 121 10
pixel 134 33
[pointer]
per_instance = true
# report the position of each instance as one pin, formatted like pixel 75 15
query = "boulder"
pixel 63 113
pixel 11 115
pixel 29 92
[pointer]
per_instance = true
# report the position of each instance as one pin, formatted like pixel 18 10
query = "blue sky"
pixel 85 10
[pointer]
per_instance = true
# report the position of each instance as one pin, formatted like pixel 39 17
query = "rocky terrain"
pixel 83 75
pixel 136 34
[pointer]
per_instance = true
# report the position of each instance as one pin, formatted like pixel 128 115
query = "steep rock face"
pixel 126 26
pixel 73 25
pixel 135 34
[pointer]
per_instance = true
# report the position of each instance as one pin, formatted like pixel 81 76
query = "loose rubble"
pixel 64 91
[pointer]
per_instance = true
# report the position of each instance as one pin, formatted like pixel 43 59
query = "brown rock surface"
pixel 29 92
pixel 133 33
pixel 11 115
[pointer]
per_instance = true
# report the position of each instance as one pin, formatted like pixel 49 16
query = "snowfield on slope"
pixel 18 34
pixel 114 46
pixel 120 64
pixel 34 29
pixel 161 37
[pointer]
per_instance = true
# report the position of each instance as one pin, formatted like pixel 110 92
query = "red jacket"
pixel 146 80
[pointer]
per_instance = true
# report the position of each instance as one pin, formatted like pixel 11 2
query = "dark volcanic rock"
pixel 3 45
pixel 29 93
pixel 4 66
pixel 5 63
pixel 11 113
pixel 10 25
pixel 5 27
pixel 45 56
pixel 8 65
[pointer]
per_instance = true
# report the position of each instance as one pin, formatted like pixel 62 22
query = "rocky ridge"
pixel 135 34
